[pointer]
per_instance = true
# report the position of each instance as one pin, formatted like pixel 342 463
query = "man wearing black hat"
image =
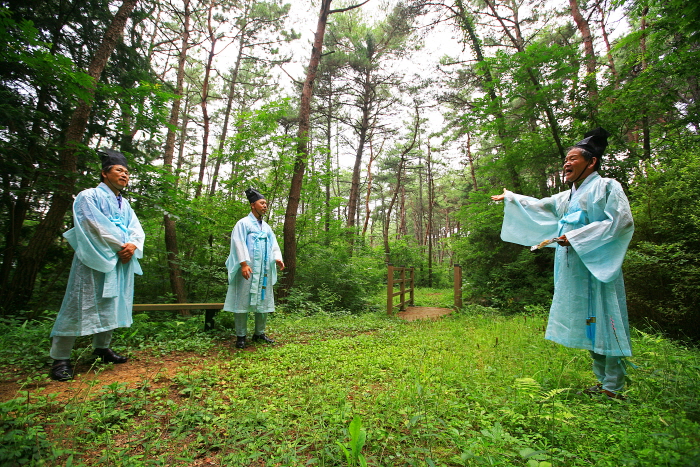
pixel 252 271
pixel 590 226
pixel 107 239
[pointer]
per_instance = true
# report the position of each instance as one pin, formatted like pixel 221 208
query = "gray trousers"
pixel 61 346
pixel 610 371
pixel 241 321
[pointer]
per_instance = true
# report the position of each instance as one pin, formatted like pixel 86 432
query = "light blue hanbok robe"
pixel 256 245
pixel 100 291
pixel 589 309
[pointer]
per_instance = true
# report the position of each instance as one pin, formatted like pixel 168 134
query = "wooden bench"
pixel 210 309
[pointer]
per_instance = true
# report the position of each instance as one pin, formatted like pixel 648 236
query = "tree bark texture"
pixel 32 258
pixel 177 282
pixel 204 102
pixel 585 30
pixel 519 44
pixel 290 217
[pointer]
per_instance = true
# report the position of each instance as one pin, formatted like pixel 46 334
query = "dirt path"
pixel 413 313
pixel 143 369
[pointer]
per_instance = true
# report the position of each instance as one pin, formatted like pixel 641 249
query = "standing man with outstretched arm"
pixel 107 239
pixel 252 271
pixel 592 227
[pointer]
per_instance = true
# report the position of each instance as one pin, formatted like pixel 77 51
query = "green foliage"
pixel 358 436
pixel 662 274
pixel 334 280
pixel 475 388
pixel 497 273
pixel 165 333
pixel 24 343
pixel 406 252
pixel 23 437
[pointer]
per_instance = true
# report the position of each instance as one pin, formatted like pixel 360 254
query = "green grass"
pixel 473 389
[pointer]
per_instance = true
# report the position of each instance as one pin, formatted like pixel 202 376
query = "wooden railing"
pixel 401 281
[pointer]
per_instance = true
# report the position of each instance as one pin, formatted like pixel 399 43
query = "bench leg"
pixel 209 319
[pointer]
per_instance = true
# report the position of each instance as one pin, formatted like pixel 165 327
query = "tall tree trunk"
pixel 204 101
pixel 368 211
pixel 387 216
pixel 608 51
pixel 290 217
pixel 646 133
pixel 419 214
pixel 399 178
pixel 467 24
pixel 16 214
pixel 329 158
pixel 182 137
pixel 177 282
pixel 429 229
pixel 227 113
pixel 519 45
pixel 32 258
pixel 585 30
pixel 355 182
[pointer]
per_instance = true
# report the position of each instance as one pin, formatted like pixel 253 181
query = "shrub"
pixel 335 281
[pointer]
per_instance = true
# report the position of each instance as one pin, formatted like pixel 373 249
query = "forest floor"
pixel 476 387
pixel 144 366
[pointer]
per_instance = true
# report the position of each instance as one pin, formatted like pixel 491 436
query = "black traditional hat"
pixel 253 195
pixel 595 142
pixel 110 157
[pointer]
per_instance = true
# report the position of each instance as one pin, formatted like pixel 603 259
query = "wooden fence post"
pixel 390 290
pixel 458 286
pixel 412 287
pixel 402 307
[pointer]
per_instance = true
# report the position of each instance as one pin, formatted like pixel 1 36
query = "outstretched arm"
pixel 499 197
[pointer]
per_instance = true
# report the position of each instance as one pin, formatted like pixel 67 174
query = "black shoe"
pixel 597 389
pixel 108 356
pixel 263 337
pixel 240 342
pixel 613 395
pixel 61 370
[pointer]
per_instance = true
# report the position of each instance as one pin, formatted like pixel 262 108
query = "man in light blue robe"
pixel 108 240
pixel 593 225
pixel 252 271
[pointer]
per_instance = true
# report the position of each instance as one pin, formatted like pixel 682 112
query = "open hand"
pixel 499 197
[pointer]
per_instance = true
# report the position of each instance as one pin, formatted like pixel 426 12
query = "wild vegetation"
pixel 475 388
pixel 411 115
pixel 381 143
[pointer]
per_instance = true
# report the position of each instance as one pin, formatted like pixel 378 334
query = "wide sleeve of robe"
pixel 602 243
pixel 95 239
pixel 528 221
pixel 239 249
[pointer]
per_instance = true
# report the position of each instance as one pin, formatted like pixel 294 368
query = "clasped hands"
pixel 126 252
